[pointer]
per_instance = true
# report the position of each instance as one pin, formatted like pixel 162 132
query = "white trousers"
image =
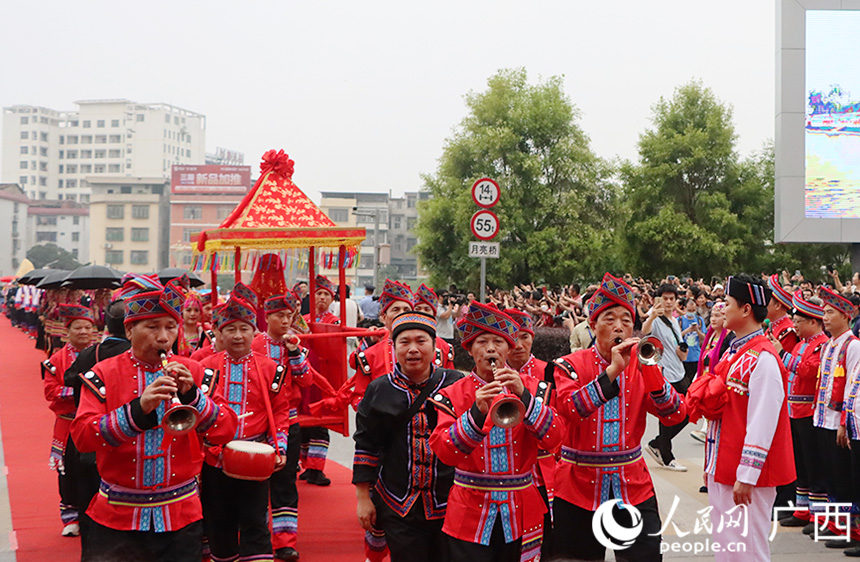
pixel 730 538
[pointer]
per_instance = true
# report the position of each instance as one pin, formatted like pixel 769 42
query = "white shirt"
pixel 444 326
pixel 351 311
pixel 673 367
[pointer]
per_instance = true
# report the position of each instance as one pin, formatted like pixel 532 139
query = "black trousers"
pixel 111 545
pixel 235 514
pixel 285 494
pixel 573 537
pixel 413 538
pixel 808 455
pixel 663 442
pixel 70 504
pixel 836 466
pixel 88 486
pixel 497 551
pixel 855 473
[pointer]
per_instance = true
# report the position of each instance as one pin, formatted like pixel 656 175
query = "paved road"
pixel 789 545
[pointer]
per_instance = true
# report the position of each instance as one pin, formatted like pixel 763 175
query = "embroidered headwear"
pixel 192 299
pixel 523 319
pixel 71 312
pixel 393 291
pixel 426 295
pixel 612 292
pixel 413 320
pixel 287 301
pixel 323 283
pixel 837 301
pixel 780 294
pixel 205 297
pixel 754 294
pixel 486 318
pixel 160 301
pixel 806 308
pixel 237 308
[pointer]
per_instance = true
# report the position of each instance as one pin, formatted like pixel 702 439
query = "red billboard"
pixel 210 179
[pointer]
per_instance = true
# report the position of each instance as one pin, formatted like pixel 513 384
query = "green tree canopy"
pixel 53 256
pixel 557 201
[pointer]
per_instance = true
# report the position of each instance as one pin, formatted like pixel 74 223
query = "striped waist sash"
pixel 597 459
pixel 294 414
pixel 801 398
pixel 492 482
pixel 120 495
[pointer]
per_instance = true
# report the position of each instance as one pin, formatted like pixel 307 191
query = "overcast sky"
pixel 363 94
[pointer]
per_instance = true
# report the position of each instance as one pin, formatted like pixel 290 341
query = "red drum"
pixel 248 460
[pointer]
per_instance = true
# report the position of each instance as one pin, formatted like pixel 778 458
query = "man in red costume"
pixel 426 301
pixel 840 357
pixel 323 297
pixel 605 397
pixel 277 344
pixel 523 361
pixel 495 512
pixel 148 505
pixel 748 450
pixel 803 364
pixel 80 326
pixel 779 315
pixel 235 511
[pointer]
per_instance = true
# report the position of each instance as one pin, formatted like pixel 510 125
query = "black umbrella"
pixel 53 280
pixel 93 277
pixel 169 273
pixel 34 276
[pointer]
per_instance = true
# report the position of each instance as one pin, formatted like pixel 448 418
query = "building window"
pixel 43 181
pixel 22 180
pixel 101 153
pixel 101 139
pixel 139 117
pixel 86 139
pixel 114 123
pixel 43 137
pixel 410 223
pixel 24 120
pixel 223 212
pixel 22 165
pixel 24 150
pixel 396 223
pixel 139 257
pixel 86 168
pixel 72 183
pixel 86 154
pixel 76 220
pixel 60 183
pixel 76 236
pixel 114 168
pixel 75 253
pixel 50 221
pixel 193 212
pixel 115 138
pixel 72 169
pixel 187 233
pixel 87 124
pixel 72 139
pixel 186 259
pixel 339 215
pixel 46 237
pixel 114 234
pixel 115 153
pixel 99 168
pixel 140 211
pixel 24 135
pixel 140 235
pixel 113 257
pixel 71 154
pixel 100 123
pixel 115 211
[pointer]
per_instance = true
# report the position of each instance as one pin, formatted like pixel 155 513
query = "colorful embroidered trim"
pixel 492 482
pixel 598 459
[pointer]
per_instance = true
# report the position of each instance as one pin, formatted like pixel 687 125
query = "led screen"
pixel 832 130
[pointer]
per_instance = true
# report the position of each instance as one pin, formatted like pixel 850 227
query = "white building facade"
pixel 51 153
pixel 64 223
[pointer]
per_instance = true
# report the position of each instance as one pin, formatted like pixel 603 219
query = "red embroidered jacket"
pixel 545 467
pixel 299 374
pixel 785 332
pixel 241 384
pixel 61 398
pixel 601 456
pixel 148 480
pixel 494 467
pixel 803 366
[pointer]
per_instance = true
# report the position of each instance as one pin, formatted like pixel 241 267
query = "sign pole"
pixel 483 280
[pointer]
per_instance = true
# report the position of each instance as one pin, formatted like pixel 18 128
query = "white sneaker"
pixel 674 465
pixel 71 530
pixel 655 453
pixel 699 435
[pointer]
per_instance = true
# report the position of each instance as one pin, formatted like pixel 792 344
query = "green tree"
pixel 52 256
pixel 557 201
pixel 688 209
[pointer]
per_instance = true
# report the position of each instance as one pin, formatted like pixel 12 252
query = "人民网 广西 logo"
pixel 609 532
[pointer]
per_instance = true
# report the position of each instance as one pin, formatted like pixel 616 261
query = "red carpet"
pixel 328 527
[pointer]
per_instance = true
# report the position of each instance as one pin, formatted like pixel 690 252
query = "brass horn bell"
pixel 649 350
pixel 179 418
pixel 507 410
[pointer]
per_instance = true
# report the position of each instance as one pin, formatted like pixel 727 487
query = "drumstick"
pixel 245 415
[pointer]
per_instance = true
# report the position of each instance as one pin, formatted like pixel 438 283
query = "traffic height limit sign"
pixel 485 225
pixel 485 193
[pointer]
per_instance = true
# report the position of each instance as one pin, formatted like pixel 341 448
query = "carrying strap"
pixel 273 429
pixel 671 329
pixel 432 383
